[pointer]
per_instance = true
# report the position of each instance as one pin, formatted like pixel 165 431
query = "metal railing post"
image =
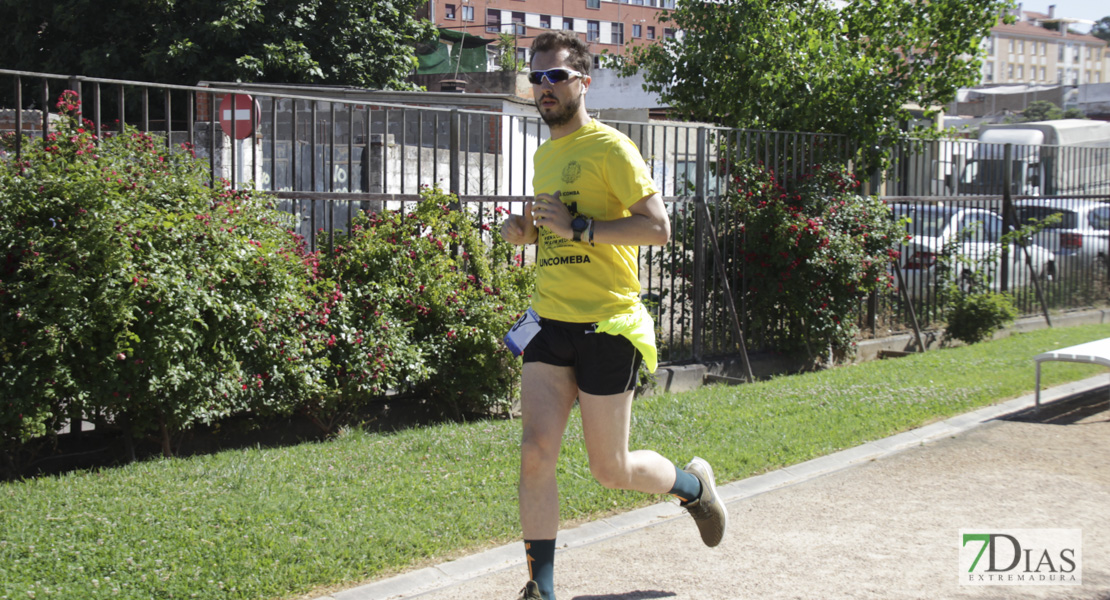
pixel 19 118
pixel 1007 205
pixel 698 329
pixel 453 183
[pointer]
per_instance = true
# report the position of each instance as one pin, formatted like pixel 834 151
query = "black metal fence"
pixel 326 158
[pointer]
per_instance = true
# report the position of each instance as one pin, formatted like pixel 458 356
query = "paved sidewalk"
pixel 878 521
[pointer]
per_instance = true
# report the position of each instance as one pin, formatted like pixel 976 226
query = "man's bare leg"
pixel 605 426
pixel 547 396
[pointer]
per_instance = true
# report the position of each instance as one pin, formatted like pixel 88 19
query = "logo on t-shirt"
pixel 572 172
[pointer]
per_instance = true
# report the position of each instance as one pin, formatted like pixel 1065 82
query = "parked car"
pixel 1081 239
pixel 977 235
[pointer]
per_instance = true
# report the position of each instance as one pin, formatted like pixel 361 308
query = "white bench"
pixel 1097 353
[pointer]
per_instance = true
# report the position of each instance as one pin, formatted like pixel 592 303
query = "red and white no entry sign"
pixel 235 115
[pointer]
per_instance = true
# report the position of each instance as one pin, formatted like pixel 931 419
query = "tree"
pixel 506 51
pixel 1101 29
pixel 808 66
pixel 1041 110
pixel 365 43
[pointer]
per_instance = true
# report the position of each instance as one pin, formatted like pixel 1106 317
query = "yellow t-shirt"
pixel 600 173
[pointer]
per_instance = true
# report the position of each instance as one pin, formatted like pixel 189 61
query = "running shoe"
pixel 531 591
pixel 708 511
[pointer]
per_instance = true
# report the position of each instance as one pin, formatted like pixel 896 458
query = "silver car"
pixel 1081 238
pixel 974 234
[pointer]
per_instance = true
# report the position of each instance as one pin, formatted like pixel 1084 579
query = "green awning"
pixel 466 54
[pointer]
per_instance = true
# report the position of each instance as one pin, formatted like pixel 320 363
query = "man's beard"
pixel 562 114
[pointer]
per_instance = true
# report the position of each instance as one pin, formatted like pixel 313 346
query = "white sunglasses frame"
pixel 543 75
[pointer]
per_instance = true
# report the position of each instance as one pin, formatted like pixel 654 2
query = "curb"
pixel 445 575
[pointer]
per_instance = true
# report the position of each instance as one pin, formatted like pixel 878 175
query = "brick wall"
pixel 32 120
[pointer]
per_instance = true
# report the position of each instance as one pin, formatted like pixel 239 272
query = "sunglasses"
pixel 553 75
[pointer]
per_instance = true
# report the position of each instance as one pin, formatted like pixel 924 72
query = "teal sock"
pixel 687 488
pixel 541 565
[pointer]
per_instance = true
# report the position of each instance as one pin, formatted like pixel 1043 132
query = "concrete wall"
pixel 493 82
pixel 1094 100
pixel 609 91
pixel 680 378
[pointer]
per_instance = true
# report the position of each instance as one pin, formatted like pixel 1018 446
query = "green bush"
pixel 807 249
pixel 132 290
pixel 974 317
pixel 448 287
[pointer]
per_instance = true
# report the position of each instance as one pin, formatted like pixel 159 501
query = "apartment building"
pixel 610 25
pixel 1025 52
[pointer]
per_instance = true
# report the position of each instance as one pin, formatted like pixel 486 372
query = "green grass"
pixel 275 523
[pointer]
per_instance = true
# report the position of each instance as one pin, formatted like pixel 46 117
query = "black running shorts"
pixel 603 364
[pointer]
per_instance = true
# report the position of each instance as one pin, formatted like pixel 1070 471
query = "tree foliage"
pixel 1101 29
pixel 365 43
pixel 506 53
pixel 808 66
pixel 1043 110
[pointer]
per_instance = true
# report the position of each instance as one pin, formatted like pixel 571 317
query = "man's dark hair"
pixel 578 57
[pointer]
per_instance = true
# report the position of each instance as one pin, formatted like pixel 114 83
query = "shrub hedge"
pixel 134 291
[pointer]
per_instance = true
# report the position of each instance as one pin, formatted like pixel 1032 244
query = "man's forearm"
pixel 634 230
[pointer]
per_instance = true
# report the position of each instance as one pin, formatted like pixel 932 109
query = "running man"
pixel 595 205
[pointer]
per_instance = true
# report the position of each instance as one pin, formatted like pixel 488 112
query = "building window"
pixel 593 31
pixel 990 46
pixel 1043 76
pixel 668 4
pixel 1061 53
pixel 1021 46
pixel 668 33
pixel 651 32
pixel 1011 47
pixel 518 23
pixel 1021 72
pixel 1010 72
pixel 636 31
pixel 545 21
pixel 593 3
pixel 493 20
pixel 568 24
pixel 617 33
pixel 521 55
pixel 449 11
pixel 468 13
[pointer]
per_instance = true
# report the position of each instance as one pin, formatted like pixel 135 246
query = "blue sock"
pixel 687 488
pixel 541 565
